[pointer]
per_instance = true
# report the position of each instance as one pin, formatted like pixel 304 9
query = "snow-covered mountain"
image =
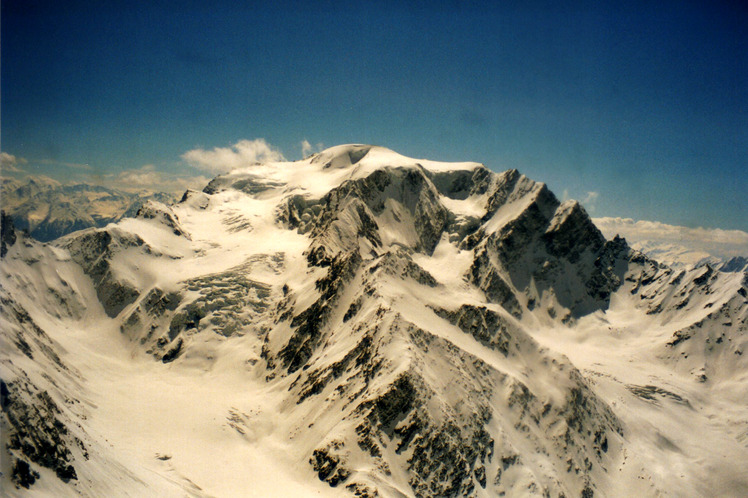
pixel 360 323
pixel 680 257
pixel 674 255
pixel 736 264
pixel 678 246
pixel 49 209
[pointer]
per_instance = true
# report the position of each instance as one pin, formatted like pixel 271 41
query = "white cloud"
pixel 148 178
pixel 307 149
pixel 590 197
pixel 145 176
pixel 715 241
pixel 241 154
pixel 589 201
pixel 9 162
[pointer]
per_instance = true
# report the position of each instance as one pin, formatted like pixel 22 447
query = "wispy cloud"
pixel 241 154
pixel 147 177
pixel 9 163
pixel 715 241
pixel 85 167
pixel 308 149
pixel 590 201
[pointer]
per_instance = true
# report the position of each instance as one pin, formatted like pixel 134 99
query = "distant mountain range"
pixel 678 256
pixel 679 246
pixel 48 209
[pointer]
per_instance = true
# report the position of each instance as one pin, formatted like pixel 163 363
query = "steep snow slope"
pixel 55 341
pixel 738 264
pixel 86 403
pixel 365 323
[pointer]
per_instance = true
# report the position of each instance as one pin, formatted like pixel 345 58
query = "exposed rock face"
pixel 402 199
pixel 487 277
pixel 309 323
pixel 487 326
pixel 548 254
pixel 99 250
pixel 36 433
pixel 462 184
pixel 399 263
pixel 154 308
pixel 152 210
pixel 455 448
pixel 7 233
pixel 93 250
pixel 196 199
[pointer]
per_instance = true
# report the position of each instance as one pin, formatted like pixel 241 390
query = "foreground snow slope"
pixel 365 323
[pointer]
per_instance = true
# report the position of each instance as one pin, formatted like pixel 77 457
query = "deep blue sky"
pixel 644 103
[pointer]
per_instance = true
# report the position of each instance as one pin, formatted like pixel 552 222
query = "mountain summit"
pixel 360 323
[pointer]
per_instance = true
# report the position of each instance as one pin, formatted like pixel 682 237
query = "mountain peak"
pixel 374 156
pixel 342 156
pixel 319 173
